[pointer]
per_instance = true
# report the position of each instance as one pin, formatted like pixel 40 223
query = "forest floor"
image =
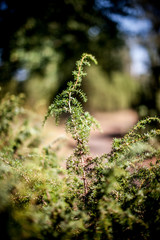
pixel 113 124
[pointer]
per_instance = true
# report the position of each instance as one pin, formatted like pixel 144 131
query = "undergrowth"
pixel 113 196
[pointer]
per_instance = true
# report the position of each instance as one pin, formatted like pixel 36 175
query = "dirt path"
pixel 114 124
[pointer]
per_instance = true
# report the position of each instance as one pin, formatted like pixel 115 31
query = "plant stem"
pixel 84 176
pixel 69 98
pixel 79 71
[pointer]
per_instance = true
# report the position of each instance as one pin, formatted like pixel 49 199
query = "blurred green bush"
pixel 39 200
pixel 108 93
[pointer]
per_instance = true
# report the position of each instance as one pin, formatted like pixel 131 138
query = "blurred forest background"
pixel 41 41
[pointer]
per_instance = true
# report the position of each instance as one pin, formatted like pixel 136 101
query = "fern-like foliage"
pixel 137 142
pixel 79 123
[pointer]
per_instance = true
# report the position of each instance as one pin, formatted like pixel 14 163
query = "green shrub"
pixel 114 196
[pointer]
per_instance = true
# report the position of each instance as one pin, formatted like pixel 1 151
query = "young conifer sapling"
pixel 79 122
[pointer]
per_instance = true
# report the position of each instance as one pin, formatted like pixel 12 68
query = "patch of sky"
pixel 21 74
pixel 132 25
pixel 93 31
pixel 140 59
pixel 100 4
pixel 3 6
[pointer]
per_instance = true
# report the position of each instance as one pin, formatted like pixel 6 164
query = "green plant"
pixel 114 187
pixel 115 196
pixel 15 128
pixel 139 143
pixel 10 107
pixel 28 189
pixel 79 122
